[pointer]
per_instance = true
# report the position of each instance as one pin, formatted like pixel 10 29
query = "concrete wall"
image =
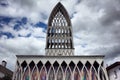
pixel 99 73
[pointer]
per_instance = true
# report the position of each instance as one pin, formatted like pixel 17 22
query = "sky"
pixel 95 23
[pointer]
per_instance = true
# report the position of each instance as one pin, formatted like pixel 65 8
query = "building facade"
pixel 114 71
pixel 59 63
pixel 5 72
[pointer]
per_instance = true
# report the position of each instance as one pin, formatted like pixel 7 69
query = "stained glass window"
pixel 26 75
pixel 43 74
pixel 60 74
pixel 34 74
pixel 84 74
pixel 76 74
pixel 68 74
pixel 93 74
pixel 51 74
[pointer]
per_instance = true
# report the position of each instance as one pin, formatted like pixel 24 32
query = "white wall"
pixel 112 75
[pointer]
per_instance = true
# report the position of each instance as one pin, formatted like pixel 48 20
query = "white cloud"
pixel 20 46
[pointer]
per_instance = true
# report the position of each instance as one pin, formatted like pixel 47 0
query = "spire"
pixel 59 33
pixel 59 8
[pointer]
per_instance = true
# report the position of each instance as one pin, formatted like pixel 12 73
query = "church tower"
pixel 59 40
pixel 59 63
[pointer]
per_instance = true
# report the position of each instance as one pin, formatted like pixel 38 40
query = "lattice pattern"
pixel 59 20
pixel 56 52
pixel 63 71
pixel 59 34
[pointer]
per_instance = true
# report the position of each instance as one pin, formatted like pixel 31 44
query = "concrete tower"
pixel 59 40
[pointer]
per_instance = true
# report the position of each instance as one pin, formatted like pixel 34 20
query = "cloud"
pixel 20 46
pixel 96 26
pixel 112 10
pixel 31 45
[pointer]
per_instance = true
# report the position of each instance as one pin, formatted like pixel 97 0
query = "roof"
pixel 37 58
pixel 6 71
pixel 60 56
pixel 113 65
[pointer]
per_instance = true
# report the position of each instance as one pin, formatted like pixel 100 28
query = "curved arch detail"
pixel 26 73
pixel 76 73
pixel 57 8
pixel 51 74
pixel 34 73
pixel 43 73
pixel 59 74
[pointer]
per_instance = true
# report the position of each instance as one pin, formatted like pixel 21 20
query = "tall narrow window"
pixel 43 74
pixel 51 74
pixel 60 74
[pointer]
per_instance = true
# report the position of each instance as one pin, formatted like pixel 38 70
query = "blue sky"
pixel 95 24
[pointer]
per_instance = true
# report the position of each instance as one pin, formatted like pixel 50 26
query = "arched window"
pixel 60 74
pixel 34 74
pixel 43 73
pixel 102 74
pixel 26 74
pixel 51 74
pixel 84 74
pixel 68 75
pixel 76 74
pixel 56 65
pixel 93 74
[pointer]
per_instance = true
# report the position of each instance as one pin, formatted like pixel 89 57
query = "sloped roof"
pixel 113 65
pixel 6 71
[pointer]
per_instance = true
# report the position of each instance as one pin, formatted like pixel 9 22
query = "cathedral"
pixel 59 61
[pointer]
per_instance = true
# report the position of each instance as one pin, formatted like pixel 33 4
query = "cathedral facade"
pixel 59 61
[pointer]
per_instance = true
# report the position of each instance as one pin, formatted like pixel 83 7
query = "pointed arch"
pixel 84 73
pixel 76 73
pixel 47 65
pixel 80 65
pixel 34 73
pixel 24 65
pixel 68 74
pixel 102 74
pixel 93 73
pixel 72 65
pixel 64 65
pixel 96 65
pixel 59 26
pixel 31 65
pixel 59 8
pixel 56 65
pixel 43 73
pixel 60 73
pixel 39 65
pixel 51 74
pixel 88 65
pixel 26 73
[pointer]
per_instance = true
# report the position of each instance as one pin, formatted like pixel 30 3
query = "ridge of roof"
pixel 113 65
